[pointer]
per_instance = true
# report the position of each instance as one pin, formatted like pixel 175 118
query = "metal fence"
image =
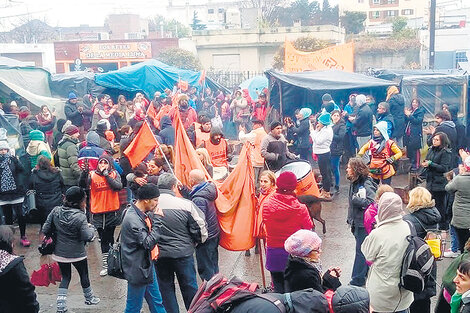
pixel 231 79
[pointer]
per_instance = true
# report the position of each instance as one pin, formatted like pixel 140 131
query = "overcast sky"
pixel 74 13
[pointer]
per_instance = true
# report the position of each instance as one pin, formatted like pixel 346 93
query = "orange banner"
pixel 339 57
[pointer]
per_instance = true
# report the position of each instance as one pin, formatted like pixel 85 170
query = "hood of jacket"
pixel 428 216
pixel 448 124
pixel 165 122
pixel 36 146
pixel 68 217
pixel 45 175
pixel 206 190
pixel 382 127
pixel 309 301
pixel 93 138
pixel 351 299
pixel 390 208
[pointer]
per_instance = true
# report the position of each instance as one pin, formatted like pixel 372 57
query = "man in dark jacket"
pixel 183 226
pixel 139 236
pixel 274 148
pixel 203 194
pixel 16 291
pixel 302 133
pixel 75 113
pixel 167 132
pixel 361 121
pixel 397 108
pixel 361 194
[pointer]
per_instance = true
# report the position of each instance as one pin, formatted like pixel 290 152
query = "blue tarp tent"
pixel 150 76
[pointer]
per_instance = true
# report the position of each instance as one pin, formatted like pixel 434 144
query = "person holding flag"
pixel 187 114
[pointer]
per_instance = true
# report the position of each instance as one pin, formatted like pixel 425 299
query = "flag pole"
pixel 160 148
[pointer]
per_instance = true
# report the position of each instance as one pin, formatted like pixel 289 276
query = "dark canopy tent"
pixel 289 92
pixel 80 83
pixel 152 76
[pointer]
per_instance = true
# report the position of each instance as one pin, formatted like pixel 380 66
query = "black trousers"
pixel 278 281
pixel 66 271
pixel 462 234
pixel 8 213
pixel 421 306
pixel 107 237
pixel 325 170
pixel 440 197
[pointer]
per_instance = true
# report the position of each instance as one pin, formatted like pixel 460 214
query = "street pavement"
pixel 338 250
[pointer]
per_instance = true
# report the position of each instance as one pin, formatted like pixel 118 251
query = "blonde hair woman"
pixel 424 216
pixel 206 160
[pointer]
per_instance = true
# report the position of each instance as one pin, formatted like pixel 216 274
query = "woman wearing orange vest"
pixel 383 152
pixel 104 184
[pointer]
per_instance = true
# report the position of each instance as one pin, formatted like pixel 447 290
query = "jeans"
pixel 151 293
pixel 335 160
pixel 186 275
pixel 207 256
pixel 66 271
pixel 360 268
pixel 324 165
pixel 454 240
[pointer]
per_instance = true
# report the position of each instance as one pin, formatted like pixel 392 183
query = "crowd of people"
pixel 84 185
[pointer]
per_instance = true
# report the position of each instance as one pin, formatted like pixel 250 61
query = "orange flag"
pixel 141 145
pixel 153 114
pixel 237 220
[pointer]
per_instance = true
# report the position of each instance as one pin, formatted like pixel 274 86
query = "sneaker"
pixel 25 242
pixel 336 189
pixel 92 300
pixel 451 254
pixel 104 272
pixel 62 311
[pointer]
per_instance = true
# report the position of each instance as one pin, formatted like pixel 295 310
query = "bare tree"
pixel 29 30
pixel 267 8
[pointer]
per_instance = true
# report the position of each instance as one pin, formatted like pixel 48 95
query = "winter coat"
pixel 203 196
pixel 67 151
pixel 183 226
pixel 104 143
pixel 357 205
pixel 348 299
pixel 274 151
pixel 89 155
pixel 448 128
pixel 17 170
pixel 167 132
pixel 136 243
pixel 425 219
pixel 322 140
pixel 71 229
pixel 16 291
pixel 397 109
pixel 387 117
pixel 49 188
pixel 369 217
pixel 337 144
pixel 30 123
pixel 283 215
pixel 73 115
pixel 302 133
pixel 299 275
pixel 441 159
pixel 460 208
pixel 414 129
pixel 384 248
pixel 362 125
pixel 37 148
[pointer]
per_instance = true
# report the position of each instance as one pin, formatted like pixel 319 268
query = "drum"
pixel 306 183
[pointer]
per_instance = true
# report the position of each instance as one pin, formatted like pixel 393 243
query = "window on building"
pixel 392 13
pixel 221 10
pixel 360 1
pixel 375 14
pixel 391 1
pixel 376 1
pixel 407 12
pixel 460 56
pixel 210 11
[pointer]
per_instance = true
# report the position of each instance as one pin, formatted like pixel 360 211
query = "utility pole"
pixel 432 33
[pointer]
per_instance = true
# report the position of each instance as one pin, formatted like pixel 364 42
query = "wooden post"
pixel 261 249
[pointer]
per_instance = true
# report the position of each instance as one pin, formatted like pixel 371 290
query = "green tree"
pixel 306 44
pixel 399 23
pixel 353 22
pixel 172 26
pixel 196 24
pixel 180 58
pixel 329 15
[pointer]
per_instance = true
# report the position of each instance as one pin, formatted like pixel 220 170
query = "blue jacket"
pixel 203 196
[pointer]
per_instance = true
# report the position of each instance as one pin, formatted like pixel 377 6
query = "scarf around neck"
pixel 7 182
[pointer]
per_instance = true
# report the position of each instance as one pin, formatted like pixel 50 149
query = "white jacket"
pixel 322 140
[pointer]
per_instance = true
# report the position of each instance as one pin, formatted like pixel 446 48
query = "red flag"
pixel 141 145
pixel 202 78
pixel 153 115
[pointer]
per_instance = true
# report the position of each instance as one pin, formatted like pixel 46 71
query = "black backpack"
pixel 417 263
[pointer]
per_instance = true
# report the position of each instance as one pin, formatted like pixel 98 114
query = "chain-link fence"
pixel 231 79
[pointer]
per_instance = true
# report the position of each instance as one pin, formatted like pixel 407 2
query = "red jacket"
pixel 283 215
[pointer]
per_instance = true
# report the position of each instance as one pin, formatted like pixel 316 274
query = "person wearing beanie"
pixel 283 215
pixel 69 224
pixel 383 153
pixel 104 184
pixel 101 129
pixel 140 233
pixel 274 148
pixel 29 122
pixel 67 152
pixel 220 153
pixel 12 190
pixel 322 137
pixel 361 120
pixel 37 147
pixel 304 269
pixel 384 249
pixel 76 113
pixel 89 154
pixel 328 104
pixel 383 114
pixel 302 134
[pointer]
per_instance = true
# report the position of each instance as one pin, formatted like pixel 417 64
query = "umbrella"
pixel 255 85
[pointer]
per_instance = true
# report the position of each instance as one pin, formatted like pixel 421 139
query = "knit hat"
pixel 4 145
pixel 302 242
pixel 326 97
pixel 102 125
pixel 147 191
pixel 72 96
pixel 275 124
pixel 305 112
pixel 36 135
pixel 325 119
pixel 93 137
pixel 75 195
pixel 71 130
pixel 286 182
pixel 24 112
pixel 360 99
